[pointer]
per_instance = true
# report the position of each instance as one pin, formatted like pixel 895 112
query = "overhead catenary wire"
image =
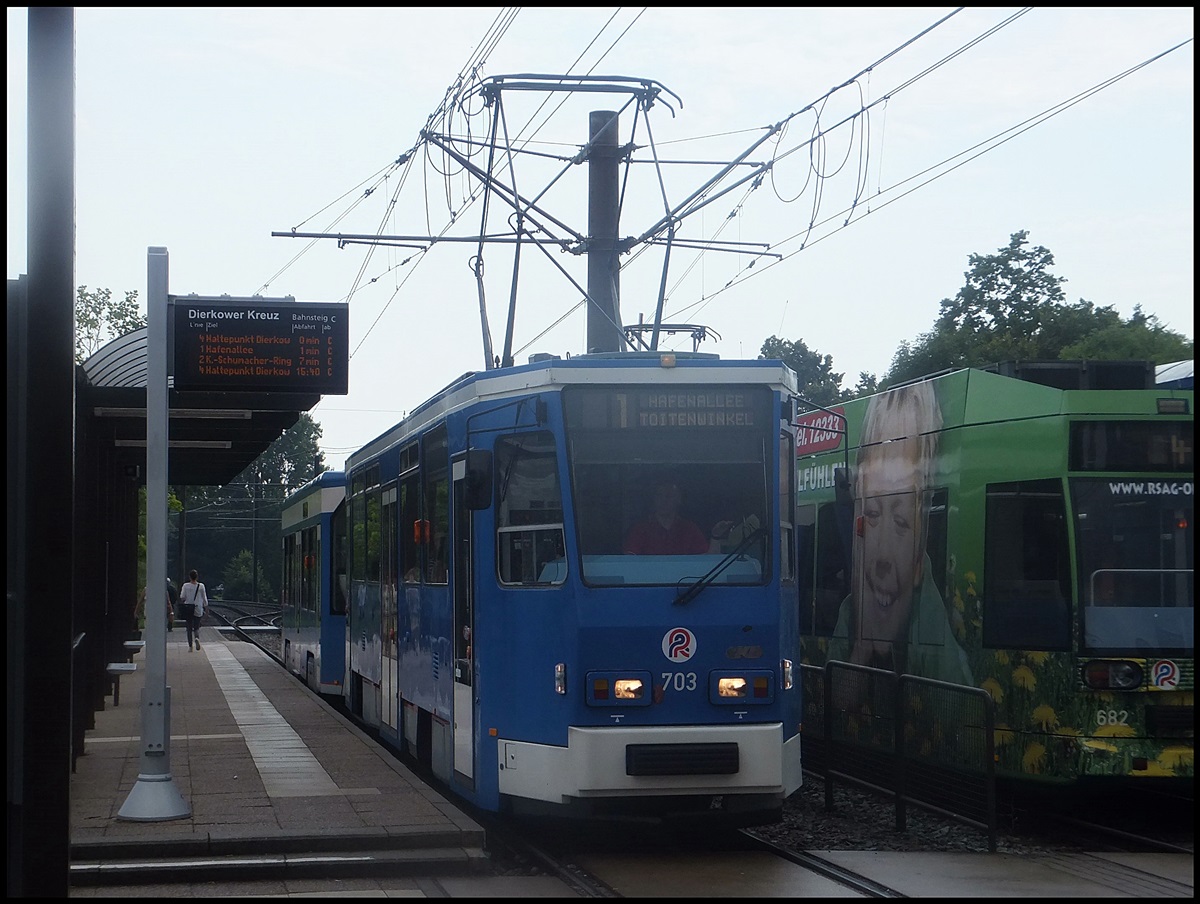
pixel 457 109
pixel 942 168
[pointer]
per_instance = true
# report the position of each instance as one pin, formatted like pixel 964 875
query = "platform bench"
pixel 115 671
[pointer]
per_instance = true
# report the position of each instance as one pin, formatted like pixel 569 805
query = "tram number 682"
pixel 679 681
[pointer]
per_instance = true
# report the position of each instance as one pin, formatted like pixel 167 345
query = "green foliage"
pixel 292 460
pixel 818 382
pixel 239 579
pixel 1012 307
pixel 173 505
pixel 99 319
pixel 1142 337
pixel 244 515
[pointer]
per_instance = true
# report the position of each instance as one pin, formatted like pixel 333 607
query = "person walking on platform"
pixel 173 599
pixel 172 594
pixel 194 598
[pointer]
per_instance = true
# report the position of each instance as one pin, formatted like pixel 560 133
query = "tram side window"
pixel 388 585
pixel 289 570
pixel 935 539
pixel 806 545
pixel 787 493
pixel 340 587
pixel 1026 567
pixel 437 505
pixel 358 527
pixel 530 544
pixel 310 583
pixel 832 571
pixel 374 527
pixel 410 516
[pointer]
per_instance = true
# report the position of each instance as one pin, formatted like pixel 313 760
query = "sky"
pixel 909 139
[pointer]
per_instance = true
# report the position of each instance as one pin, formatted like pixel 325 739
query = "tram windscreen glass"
pixel 1135 558
pixel 703 452
pixel 1157 446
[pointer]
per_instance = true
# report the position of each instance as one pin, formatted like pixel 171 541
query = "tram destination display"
pixel 258 344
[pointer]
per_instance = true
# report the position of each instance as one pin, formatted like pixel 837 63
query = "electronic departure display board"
pixel 257 344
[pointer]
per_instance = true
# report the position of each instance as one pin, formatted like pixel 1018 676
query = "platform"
pixel 286 796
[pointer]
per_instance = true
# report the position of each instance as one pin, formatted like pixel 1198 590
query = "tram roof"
pixel 551 373
pixel 1176 375
pixel 213 436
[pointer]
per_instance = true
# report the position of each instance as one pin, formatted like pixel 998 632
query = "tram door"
pixel 464 626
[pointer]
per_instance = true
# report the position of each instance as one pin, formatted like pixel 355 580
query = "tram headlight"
pixel 1112 675
pixel 630 688
pixel 742 687
pixel 731 687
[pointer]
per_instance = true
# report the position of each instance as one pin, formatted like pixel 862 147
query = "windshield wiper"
pixel 695 589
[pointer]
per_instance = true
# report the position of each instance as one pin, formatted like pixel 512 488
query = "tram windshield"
pixel 667 482
pixel 1134 539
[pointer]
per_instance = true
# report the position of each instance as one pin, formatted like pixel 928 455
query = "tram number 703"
pixel 679 681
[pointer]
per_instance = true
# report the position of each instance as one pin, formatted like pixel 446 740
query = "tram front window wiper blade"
pixel 715 572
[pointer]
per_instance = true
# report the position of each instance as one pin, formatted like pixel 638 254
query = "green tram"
pixel 1025 529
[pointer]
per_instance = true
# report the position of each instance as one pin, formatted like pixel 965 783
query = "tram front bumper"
pixel 658 761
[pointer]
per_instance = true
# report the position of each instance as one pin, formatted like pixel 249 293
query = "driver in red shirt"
pixel 665 533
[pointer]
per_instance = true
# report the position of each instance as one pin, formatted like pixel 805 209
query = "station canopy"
pixel 213 436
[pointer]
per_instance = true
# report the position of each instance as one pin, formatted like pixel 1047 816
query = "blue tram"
pixel 513 627
pixel 314 588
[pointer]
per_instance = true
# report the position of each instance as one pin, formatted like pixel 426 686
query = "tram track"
pixel 854 881
pixel 611 870
pixel 1119 839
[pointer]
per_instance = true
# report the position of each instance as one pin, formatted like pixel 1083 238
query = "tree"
pixel 817 380
pixel 241 582
pixel 243 517
pixel 99 319
pixel 1012 307
pixel 1142 337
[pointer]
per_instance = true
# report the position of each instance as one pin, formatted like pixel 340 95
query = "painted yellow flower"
pixel 970 576
pixel 1173 757
pixel 1003 735
pixel 1001 657
pixel 1114 731
pixel 1023 677
pixel 992 686
pixel 1105 746
pixel 1069 731
pixel 958 601
pixel 1037 657
pixel 1045 716
pixel 1034 759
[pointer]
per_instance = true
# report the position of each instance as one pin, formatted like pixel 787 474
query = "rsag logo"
pixel 1164 673
pixel 679 645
